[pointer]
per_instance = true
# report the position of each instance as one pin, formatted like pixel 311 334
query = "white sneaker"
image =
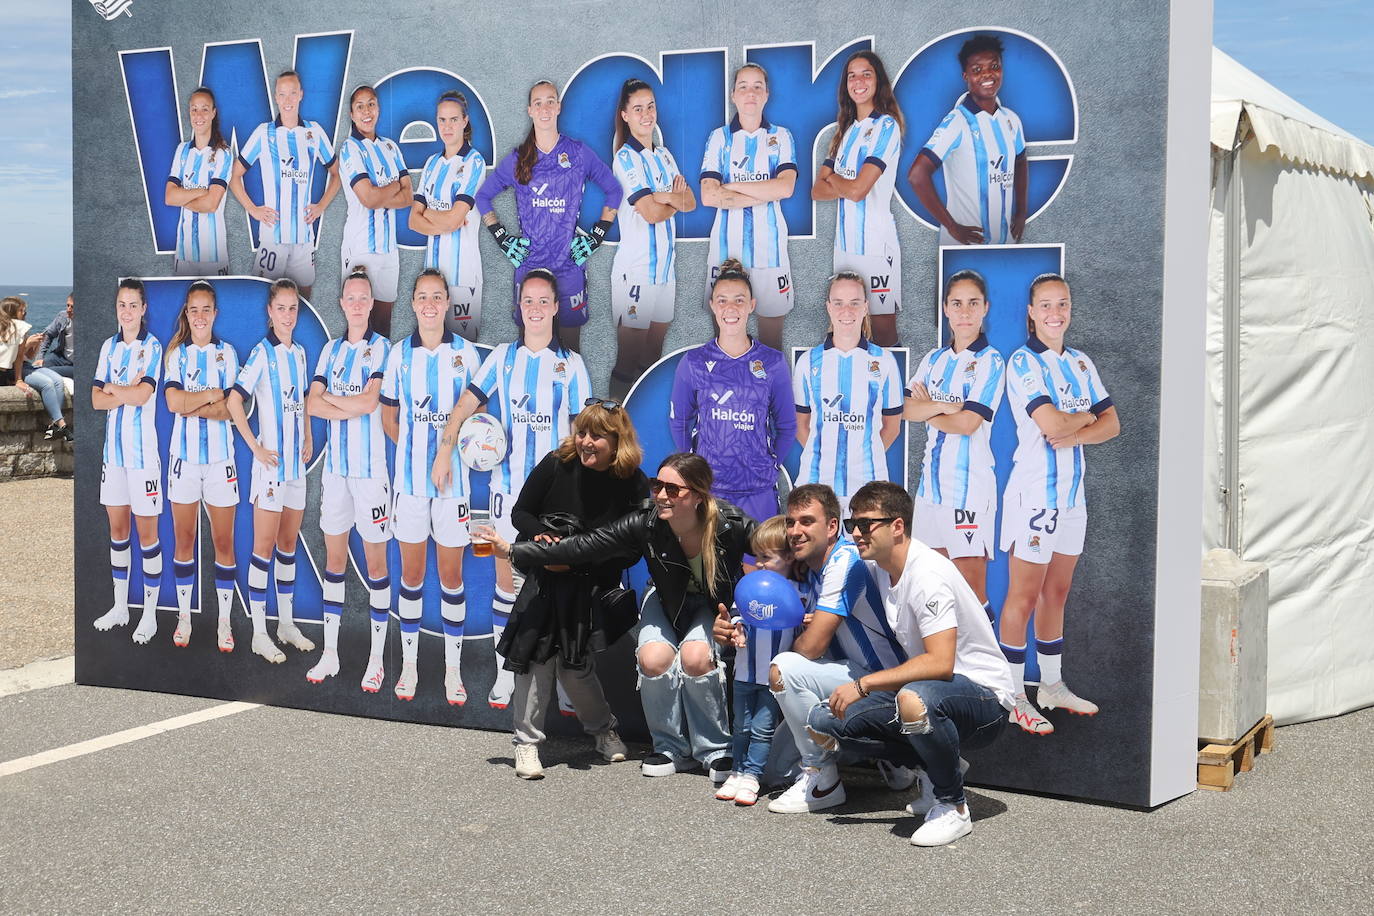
pixel 816 788
pixel 407 682
pixel 898 778
pixel 501 691
pixel 920 806
pixel 327 666
pixel 146 629
pixel 264 646
pixel 747 790
pixel 727 789
pixel 1059 696
pixel 527 765
pixel 1028 717
pixel 224 635
pixel 610 747
pixel 454 691
pixel 181 636
pixel 375 675
pixel 291 635
pixel 114 617
pixel 944 824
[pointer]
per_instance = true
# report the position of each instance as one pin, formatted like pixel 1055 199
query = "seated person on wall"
pixel 954 689
pixel 43 376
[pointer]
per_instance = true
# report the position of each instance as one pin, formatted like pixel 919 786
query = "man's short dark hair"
pixel 884 497
pixel 977 45
pixel 815 493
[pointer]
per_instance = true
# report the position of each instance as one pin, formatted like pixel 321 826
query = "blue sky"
pixel 1317 51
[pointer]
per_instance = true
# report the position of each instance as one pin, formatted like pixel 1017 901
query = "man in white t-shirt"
pixel 954 689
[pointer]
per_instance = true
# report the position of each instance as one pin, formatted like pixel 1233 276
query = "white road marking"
pixel 81 748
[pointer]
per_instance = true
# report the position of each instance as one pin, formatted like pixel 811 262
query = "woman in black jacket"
pixel 693 545
pixel 591 479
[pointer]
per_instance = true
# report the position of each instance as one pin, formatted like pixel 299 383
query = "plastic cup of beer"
pixel 481 547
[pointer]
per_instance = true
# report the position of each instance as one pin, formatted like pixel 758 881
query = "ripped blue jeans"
pixel 686 715
pixel 960 715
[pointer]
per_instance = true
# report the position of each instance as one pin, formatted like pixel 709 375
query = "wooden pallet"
pixel 1218 764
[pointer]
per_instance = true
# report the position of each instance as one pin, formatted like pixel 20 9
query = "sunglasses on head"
pixel 601 402
pixel 865 525
pixel 674 490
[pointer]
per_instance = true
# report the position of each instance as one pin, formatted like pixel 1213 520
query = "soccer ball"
pixel 481 442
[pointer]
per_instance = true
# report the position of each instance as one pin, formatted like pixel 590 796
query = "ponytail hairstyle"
pixel 353 97
pixel 217 140
pixel 852 277
pixel 977 280
pixel 285 284
pixel 629 88
pixel 730 269
pixel 428 272
pixel 453 95
pixel 135 284
pixel 12 308
pixel 884 100
pixel 748 65
pixel 541 273
pixel 1030 296
pixel 357 272
pixel 183 327
pixel 696 473
pixel 526 153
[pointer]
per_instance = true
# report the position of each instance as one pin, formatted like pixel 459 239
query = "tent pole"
pixel 1234 226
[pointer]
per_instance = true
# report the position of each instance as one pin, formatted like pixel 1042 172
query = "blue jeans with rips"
pixel 960 715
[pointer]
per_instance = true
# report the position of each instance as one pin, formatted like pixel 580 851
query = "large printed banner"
pixel 943 152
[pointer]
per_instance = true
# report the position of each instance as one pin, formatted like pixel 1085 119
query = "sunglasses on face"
pixel 601 402
pixel 865 525
pixel 673 490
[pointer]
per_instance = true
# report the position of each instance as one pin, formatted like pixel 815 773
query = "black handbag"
pixel 614 612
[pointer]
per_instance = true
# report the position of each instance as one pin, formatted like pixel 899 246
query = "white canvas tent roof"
pixel 1290 372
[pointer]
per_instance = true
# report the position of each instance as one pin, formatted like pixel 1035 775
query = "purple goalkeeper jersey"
pixel 736 412
pixel 548 206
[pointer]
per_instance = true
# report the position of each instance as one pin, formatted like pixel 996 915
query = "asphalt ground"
pixel 269 809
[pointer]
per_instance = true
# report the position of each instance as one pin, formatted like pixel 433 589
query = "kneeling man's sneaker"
pixel 816 788
pixel 944 824
pixel 1059 696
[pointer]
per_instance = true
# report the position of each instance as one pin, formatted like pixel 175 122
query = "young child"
pixel 756 709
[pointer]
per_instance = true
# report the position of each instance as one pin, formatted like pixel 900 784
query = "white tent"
pixel 1290 383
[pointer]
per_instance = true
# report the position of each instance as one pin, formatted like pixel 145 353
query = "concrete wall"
pixel 23 450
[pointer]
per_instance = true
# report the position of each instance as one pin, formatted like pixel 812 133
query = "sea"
pixel 44 302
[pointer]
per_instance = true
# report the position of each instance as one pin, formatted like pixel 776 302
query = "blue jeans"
pixel 756 719
pixel 959 715
pixel 686 715
pixel 47 381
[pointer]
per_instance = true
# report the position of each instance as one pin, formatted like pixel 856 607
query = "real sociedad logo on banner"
pixel 110 9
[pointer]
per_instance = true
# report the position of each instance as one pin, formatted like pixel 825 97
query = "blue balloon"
pixel 769 601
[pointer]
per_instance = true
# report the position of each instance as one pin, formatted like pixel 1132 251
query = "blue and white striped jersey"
pixel 357 446
pixel 286 157
pixel 977 152
pixel 201 237
pixel 761 647
pixel 131 432
pixel 756 235
pixel 196 440
pixel 535 396
pixel 443 183
pixel 863 226
pixel 379 161
pixel 845 587
pixel 1044 477
pixel 424 386
pixel 646 251
pixel 959 470
pixel 846 392
pixel 274 376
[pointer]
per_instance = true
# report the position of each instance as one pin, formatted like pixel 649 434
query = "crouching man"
pixel 953 691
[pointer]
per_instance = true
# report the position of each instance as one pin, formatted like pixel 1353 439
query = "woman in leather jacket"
pixel 693 545
pixel 591 478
